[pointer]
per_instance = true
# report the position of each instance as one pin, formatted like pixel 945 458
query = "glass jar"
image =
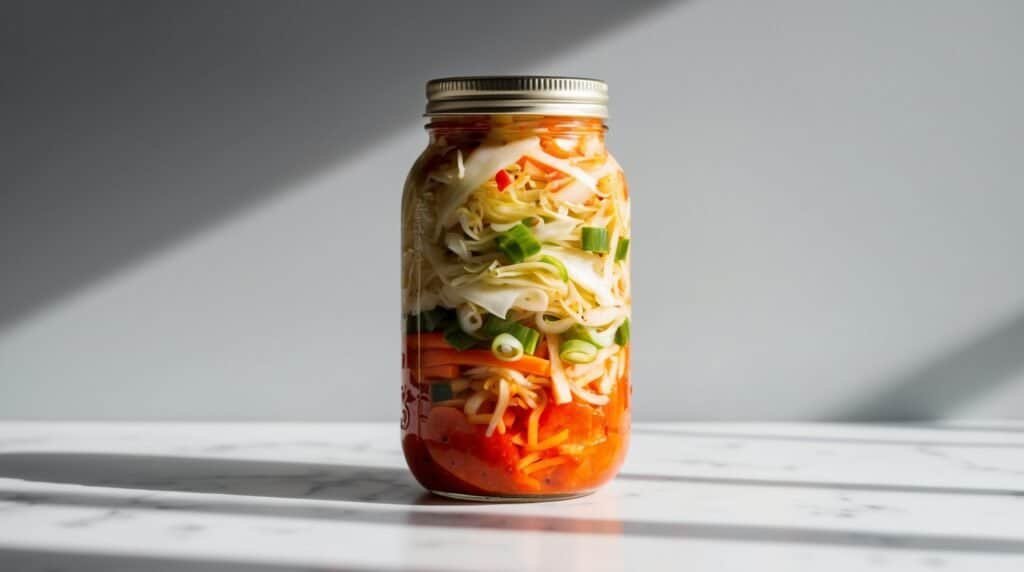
pixel 515 292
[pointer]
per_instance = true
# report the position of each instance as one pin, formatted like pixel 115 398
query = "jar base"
pixel 510 498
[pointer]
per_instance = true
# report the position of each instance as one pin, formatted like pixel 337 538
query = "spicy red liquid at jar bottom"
pixel 516 299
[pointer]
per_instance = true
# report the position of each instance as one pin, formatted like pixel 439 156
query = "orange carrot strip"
pixel 527 460
pixel 526 364
pixel 543 168
pixel 427 341
pixel 552 441
pixel 438 372
pixel 555 146
pixel 540 465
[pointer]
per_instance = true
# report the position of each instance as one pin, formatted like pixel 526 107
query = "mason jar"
pixel 515 292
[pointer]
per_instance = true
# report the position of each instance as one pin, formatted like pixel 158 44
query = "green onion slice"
pixel 440 392
pixel 594 239
pixel 458 339
pixel 517 243
pixel 591 335
pixel 563 272
pixel 507 347
pixel 622 334
pixel 622 249
pixel 532 338
pixel 577 351
pixel 528 337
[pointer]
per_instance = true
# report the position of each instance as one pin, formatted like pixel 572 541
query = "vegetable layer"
pixel 516 294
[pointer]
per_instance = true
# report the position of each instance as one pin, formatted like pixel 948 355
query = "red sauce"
pixel 447 453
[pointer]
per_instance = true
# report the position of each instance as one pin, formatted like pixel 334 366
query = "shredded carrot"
pixel 558 184
pixel 563 148
pixel 532 166
pixel 546 463
pixel 526 364
pixel 437 372
pixel 527 460
pixel 427 341
pixel 552 441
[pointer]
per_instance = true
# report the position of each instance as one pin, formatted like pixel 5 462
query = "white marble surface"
pixel 698 496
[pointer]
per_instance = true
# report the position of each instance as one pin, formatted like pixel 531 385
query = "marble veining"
pixel 969 464
pixel 698 496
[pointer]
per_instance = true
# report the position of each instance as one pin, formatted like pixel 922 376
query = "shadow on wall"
pixel 127 126
pixel 936 389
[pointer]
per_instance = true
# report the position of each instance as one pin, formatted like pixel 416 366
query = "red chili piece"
pixel 503 179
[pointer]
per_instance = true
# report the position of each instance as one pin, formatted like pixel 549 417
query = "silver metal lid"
pixel 517 95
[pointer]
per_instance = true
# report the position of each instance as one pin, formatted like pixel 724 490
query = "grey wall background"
pixel 199 209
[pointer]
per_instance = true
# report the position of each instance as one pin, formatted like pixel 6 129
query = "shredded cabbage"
pixel 558 229
pixel 582 270
pixel 497 300
pixel 479 167
pixel 455 211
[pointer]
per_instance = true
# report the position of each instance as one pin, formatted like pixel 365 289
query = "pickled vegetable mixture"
pixel 516 295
